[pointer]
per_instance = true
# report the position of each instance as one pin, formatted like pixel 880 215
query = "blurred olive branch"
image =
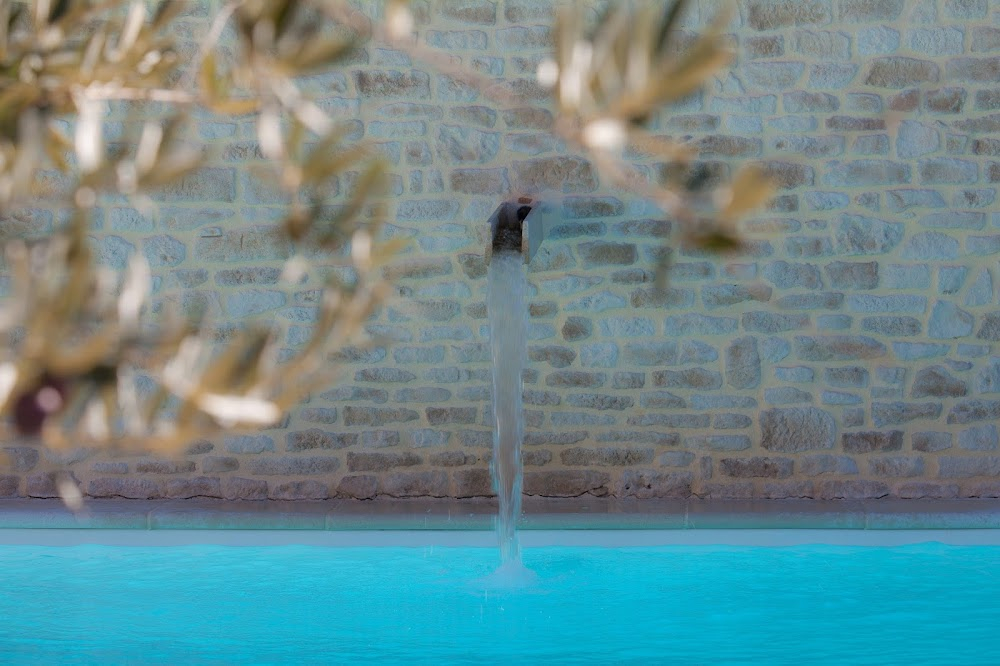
pixel 80 337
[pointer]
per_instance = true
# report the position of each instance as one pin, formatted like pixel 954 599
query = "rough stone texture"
pixel 850 352
pixel 567 483
pixel 649 484
pixel 796 429
pixel 756 467
pixel 128 488
pixel 852 489
pixel 606 456
pixel 202 486
pixel 743 363
pixel 358 486
pixel 936 381
pixel 300 490
pixel 827 464
pixel 239 488
pixel 431 483
pixel 9 485
pixel 867 442
pixel 473 483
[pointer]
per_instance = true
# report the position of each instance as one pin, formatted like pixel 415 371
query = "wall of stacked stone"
pixel 852 352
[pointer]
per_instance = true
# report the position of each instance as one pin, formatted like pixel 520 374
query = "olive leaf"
pixel 749 190
pixel 65 59
pixel 69 59
pixel 611 77
pixel 320 53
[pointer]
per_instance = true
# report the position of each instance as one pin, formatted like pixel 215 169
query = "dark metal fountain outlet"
pixel 518 226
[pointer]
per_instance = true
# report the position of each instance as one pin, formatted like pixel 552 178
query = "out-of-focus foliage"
pixel 611 76
pixel 80 336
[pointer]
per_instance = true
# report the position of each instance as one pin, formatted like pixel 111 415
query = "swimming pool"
pixel 922 603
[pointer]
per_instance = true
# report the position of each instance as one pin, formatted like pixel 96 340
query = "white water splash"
pixel 507 288
pixel 510 576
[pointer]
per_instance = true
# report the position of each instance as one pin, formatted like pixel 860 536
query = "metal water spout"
pixel 518 226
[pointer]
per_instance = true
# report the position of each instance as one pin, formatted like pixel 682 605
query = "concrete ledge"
pixel 539 514
pixel 432 539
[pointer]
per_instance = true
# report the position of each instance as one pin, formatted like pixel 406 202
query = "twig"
pixel 211 40
pixel 114 92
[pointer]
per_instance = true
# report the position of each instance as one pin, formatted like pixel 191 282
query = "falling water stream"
pixel 507 309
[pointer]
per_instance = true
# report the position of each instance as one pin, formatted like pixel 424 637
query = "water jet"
pixel 516 231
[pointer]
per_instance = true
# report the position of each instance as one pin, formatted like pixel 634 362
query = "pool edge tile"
pixel 246 515
pixel 930 515
pixel 53 514
pixel 573 514
pixel 775 514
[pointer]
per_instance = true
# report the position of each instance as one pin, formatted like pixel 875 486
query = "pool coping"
pixel 432 539
pixel 479 515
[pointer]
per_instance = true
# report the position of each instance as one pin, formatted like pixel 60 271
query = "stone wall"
pixel 854 351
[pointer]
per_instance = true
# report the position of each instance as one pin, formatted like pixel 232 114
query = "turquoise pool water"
pixel 918 604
